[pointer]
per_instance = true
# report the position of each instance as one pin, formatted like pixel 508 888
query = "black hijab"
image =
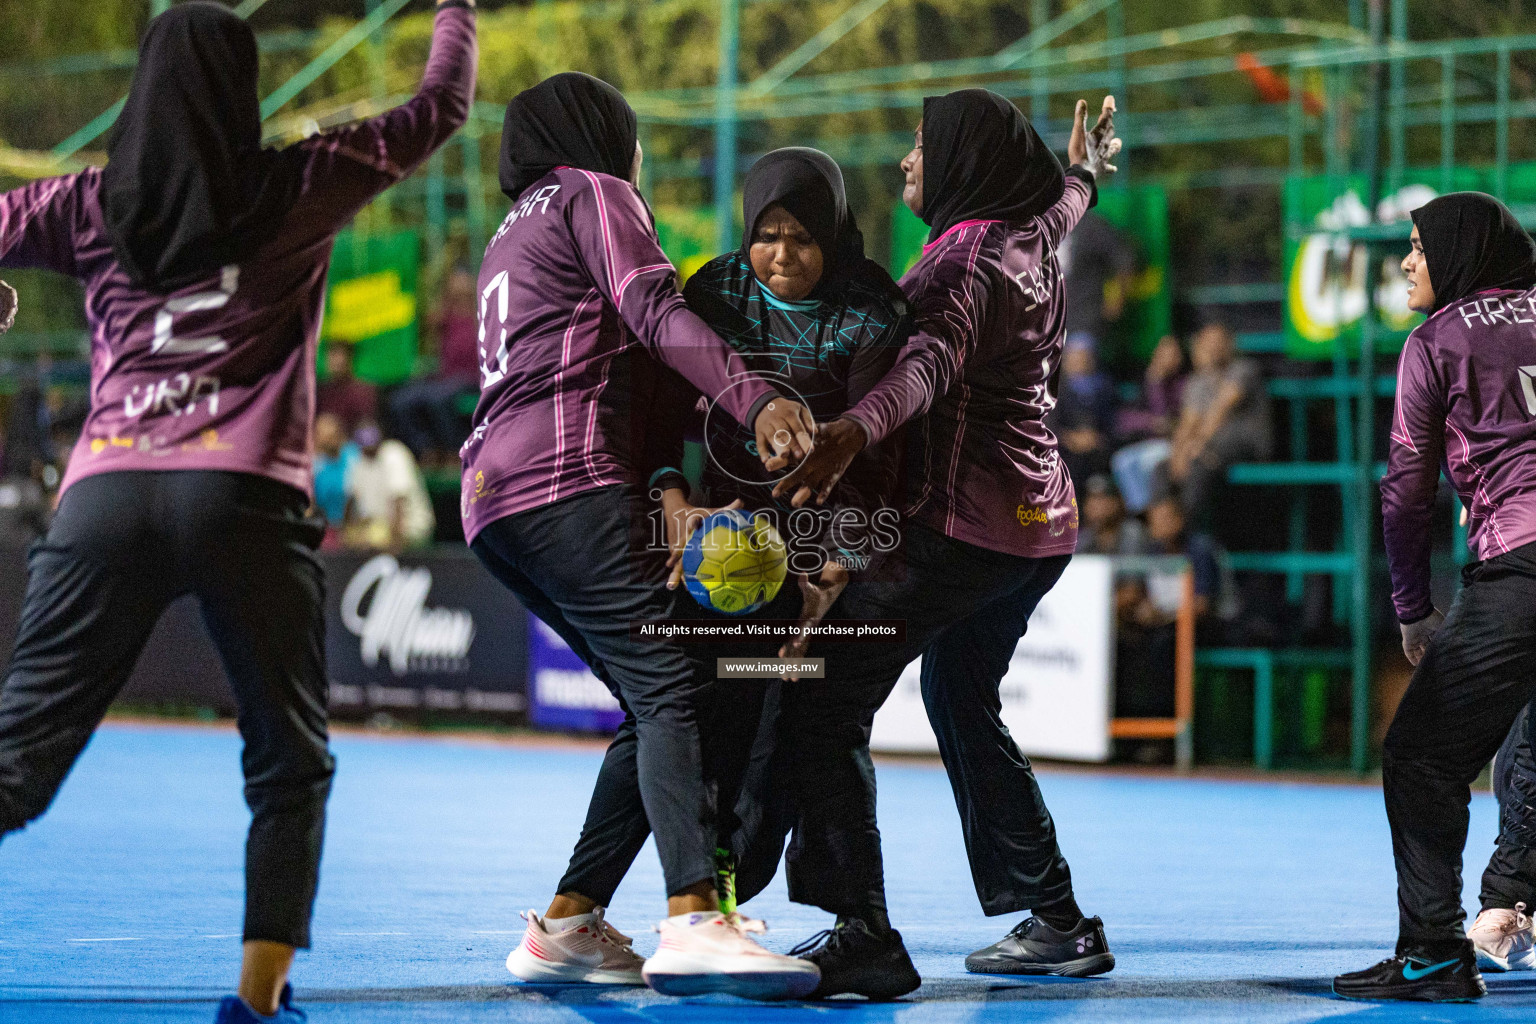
pixel 983 160
pixel 188 188
pixel 808 184
pixel 567 120
pixel 1472 242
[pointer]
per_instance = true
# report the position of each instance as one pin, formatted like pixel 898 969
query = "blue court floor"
pixel 1224 901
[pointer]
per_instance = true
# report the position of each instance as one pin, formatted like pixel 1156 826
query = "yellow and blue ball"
pixel 734 563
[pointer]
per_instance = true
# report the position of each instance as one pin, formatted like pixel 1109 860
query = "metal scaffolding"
pixel 1374 84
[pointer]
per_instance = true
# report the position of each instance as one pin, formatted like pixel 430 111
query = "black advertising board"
pixel 429 631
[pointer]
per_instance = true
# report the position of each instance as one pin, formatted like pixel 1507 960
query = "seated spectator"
pixel 1224 418
pixel 334 456
pixel 424 412
pixel 1148 610
pixel 1084 417
pixel 341 394
pixel 1106 530
pixel 387 504
pixel 1136 464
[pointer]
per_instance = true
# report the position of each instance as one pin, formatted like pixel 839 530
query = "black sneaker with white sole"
pixel 853 959
pixel 1034 947
pixel 1416 978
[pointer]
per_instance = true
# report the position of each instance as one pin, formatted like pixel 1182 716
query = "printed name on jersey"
pixel 540 199
pixel 1494 310
pixel 168 394
pixel 1038 282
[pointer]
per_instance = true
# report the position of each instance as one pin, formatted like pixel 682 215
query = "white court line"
pixel 231 935
pixel 355 934
pixel 129 938
pixel 504 931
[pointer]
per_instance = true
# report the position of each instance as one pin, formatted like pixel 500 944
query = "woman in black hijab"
pixel 567 120
pixel 188 187
pixel 203 261
pixel 806 311
pixel 1470 242
pixel 983 160
pixel 1462 409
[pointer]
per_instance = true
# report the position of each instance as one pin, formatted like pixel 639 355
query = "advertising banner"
pixel 421 631
pixel 562 692
pixel 1326 272
pixel 432 631
pixel 370 304
pixel 1059 689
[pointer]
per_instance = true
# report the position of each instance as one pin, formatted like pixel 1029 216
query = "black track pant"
pixel 581 565
pixel 1511 874
pixel 736 738
pixel 1474 680
pixel 124 546
pixel 965 609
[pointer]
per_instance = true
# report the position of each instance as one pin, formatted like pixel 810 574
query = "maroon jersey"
pixel 1465 404
pixel 221 375
pixel 989 306
pixel 575 297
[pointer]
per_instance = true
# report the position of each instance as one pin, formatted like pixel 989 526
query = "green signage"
pixel 687 236
pixel 371 304
pixel 1325 271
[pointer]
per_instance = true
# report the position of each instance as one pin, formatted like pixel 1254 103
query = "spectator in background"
pixel 1137 464
pixel 1084 417
pixel 387 504
pixel 1224 418
pixel 334 457
pixel 1106 529
pixel 1148 611
pixel 341 394
pixel 1098 267
pixel 425 412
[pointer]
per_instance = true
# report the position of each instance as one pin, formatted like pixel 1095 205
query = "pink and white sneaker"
pixel 1504 940
pixel 582 950
pixel 709 952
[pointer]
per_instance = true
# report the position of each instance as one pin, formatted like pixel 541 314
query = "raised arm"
pixel 352 165
pixel 38 224
pixel 1417 449
pixel 617 242
pixel 1077 198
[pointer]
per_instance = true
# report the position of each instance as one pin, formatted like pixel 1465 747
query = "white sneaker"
pixel 588 951
pixel 1504 940
pixel 708 952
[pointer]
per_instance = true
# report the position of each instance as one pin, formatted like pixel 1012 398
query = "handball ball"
pixel 734 563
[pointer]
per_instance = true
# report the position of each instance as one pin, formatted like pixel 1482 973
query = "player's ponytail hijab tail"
pixel 567 120
pixel 188 187
pixel 1473 242
pixel 809 184
pixel 983 160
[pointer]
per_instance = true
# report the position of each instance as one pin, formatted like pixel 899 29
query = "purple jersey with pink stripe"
pixel 221 375
pixel 990 311
pixel 1466 404
pixel 576 296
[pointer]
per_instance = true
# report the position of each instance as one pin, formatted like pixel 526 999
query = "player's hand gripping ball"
pixel 734 563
